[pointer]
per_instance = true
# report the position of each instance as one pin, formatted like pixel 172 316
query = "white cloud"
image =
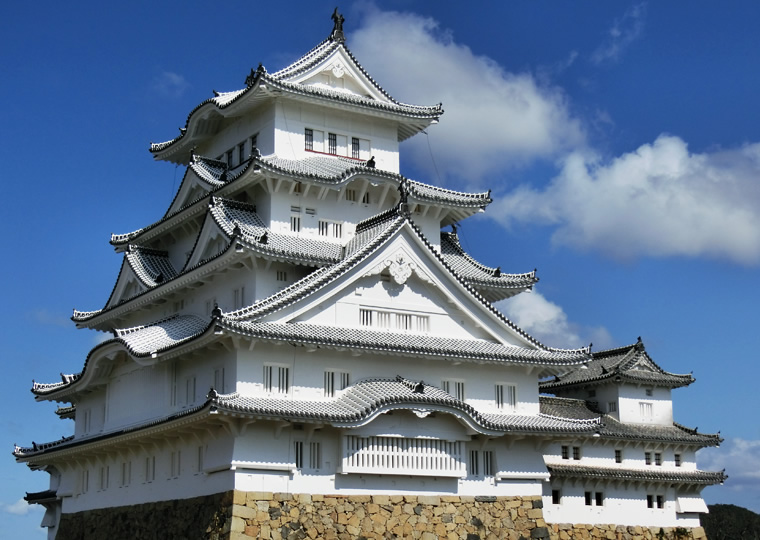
pixel 660 200
pixel 547 322
pixel 623 32
pixel 494 119
pixel 170 85
pixel 741 460
pixel 19 508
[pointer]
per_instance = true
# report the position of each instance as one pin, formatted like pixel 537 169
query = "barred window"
pixel 506 396
pixel 309 139
pixel 332 143
pixel 355 147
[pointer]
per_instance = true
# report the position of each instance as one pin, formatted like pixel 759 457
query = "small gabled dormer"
pixel 624 383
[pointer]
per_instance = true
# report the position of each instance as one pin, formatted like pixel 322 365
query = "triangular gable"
pixel 211 240
pixel 338 71
pixel 402 259
pixel 202 176
pixel 128 284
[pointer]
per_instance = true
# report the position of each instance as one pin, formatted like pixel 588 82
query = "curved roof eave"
pixel 71 383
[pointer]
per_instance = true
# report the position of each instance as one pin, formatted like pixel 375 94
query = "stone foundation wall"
pixel 238 515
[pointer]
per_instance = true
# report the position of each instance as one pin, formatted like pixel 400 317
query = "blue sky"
pixel 621 142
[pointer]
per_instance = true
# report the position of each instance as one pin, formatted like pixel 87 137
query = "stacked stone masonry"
pixel 242 515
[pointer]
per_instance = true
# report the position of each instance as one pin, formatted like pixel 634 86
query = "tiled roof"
pixel 585 472
pixel 66 413
pixel 280 80
pixel 317 279
pixel 151 266
pixel 231 215
pixel 624 364
pixel 365 399
pixel 613 429
pixel 212 171
pixel 482 277
pixel 400 343
pixel 156 337
pixel 140 341
pixel 335 169
pixel 357 405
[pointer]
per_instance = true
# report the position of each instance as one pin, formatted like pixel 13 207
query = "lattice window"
pixel 407 456
pixel 335 381
pixel 646 410
pixel 241 152
pixel 309 139
pixel 276 379
pixel 506 396
pixel 350 195
pixel 453 387
pixel 355 147
pixel 330 228
pixel 408 322
pixel 332 143
pixel 618 456
pixel 481 463
pixel 677 459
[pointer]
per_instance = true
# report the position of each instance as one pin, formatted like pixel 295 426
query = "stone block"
pixel 535 513
pixel 239 497
pixel 237 524
pixel 304 498
pixel 244 512
pixel 429 499
pixel 381 499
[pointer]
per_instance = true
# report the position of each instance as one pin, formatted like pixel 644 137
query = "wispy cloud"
pixel 508 118
pixel 44 316
pixel 741 460
pixel 170 85
pixel 624 31
pixel 548 322
pixel 660 200
pixel 19 508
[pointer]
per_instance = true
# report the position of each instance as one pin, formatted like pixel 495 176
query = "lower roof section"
pixel 686 477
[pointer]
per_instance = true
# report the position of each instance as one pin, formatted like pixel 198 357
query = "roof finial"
pixel 337 33
pixel 403 205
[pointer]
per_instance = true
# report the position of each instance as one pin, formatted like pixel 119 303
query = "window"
pixel 334 381
pixel 618 456
pixel 365 198
pixel 647 458
pixel 190 390
pixel 199 460
pixel 295 219
pixel 350 195
pixel 298 454
pixel 150 468
pixel 241 152
pixel 255 141
pixel 589 498
pixel 658 459
pixel 645 409
pixel 594 498
pixel 481 463
pixel 660 501
pixel 105 473
pixel 309 139
pixel 650 501
pixel 219 380
pixel 455 388
pixel 506 396
pixel 576 453
pixel 87 421
pixel 85 480
pixel 332 143
pixel 677 459
pixel 649 392
pixel 398 321
pixel 612 406
pixel 556 496
pixel 229 158
pixel 355 147
pixel 565 452
pixel 282 275
pixel 276 379
pixel 175 464
pixel 330 228
pixel 238 298
pixel 315 456
pixel 126 473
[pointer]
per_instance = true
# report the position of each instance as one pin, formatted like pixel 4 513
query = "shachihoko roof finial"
pixel 337 33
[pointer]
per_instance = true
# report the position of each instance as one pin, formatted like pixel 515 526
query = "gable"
pixel 127 285
pixel 339 72
pixel 403 287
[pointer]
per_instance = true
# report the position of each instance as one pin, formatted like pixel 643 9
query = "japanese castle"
pixel 304 320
